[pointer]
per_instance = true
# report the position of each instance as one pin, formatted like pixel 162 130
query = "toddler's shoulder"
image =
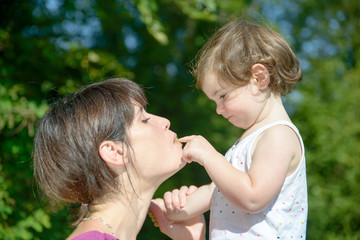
pixel 280 133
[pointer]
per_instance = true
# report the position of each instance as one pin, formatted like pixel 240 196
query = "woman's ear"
pixel 112 153
pixel 261 76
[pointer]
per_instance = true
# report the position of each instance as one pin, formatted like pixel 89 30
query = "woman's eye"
pixel 145 120
pixel 222 96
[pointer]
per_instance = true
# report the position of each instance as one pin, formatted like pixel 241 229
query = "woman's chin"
pixel 180 165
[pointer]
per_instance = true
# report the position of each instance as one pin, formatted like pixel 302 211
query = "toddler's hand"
pixel 176 199
pixel 197 149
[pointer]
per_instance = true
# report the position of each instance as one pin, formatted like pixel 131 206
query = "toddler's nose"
pixel 219 109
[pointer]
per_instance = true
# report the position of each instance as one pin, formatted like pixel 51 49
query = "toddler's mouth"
pixel 176 140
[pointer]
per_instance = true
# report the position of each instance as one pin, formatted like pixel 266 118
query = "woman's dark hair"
pixel 67 164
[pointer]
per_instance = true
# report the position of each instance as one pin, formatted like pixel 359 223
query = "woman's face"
pixel 157 155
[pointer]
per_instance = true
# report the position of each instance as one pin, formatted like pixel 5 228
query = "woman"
pixel 99 147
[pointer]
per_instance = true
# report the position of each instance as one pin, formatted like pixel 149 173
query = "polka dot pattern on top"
pixel 284 218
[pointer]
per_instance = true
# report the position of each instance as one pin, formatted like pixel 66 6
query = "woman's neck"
pixel 125 216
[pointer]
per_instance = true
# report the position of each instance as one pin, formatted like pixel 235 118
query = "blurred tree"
pixel 50 48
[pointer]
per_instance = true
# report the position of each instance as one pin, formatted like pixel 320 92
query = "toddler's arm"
pixel 276 153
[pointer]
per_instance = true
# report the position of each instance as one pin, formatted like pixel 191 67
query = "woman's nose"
pixel 165 123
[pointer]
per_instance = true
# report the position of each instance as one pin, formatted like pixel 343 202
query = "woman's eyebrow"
pixel 140 111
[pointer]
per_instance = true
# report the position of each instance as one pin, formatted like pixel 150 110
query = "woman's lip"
pixel 175 137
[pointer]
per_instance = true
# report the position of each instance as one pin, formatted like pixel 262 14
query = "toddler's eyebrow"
pixel 213 95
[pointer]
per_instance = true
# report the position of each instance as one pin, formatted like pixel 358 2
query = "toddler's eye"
pixel 145 120
pixel 222 96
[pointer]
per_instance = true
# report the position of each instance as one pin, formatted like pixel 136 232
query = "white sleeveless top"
pixel 284 218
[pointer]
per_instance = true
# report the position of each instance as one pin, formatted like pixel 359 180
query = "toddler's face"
pixel 240 105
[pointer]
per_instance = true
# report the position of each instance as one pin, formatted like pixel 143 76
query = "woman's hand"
pixel 193 228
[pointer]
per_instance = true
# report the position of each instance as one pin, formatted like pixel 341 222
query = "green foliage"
pixel 45 53
pixel 148 14
pixel 18 115
pixel 199 9
pixel 17 112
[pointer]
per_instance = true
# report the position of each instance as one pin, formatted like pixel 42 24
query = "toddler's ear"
pixel 261 76
pixel 112 153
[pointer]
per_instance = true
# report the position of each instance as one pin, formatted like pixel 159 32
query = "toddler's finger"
pixel 191 189
pixel 187 138
pixel 168 201
pixel 182 195
pixel 175 200
pixel 186 159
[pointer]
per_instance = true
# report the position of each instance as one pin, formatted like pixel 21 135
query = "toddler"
pixel 258 188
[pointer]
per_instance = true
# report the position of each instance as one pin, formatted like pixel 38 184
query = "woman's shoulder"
pixel 94 235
